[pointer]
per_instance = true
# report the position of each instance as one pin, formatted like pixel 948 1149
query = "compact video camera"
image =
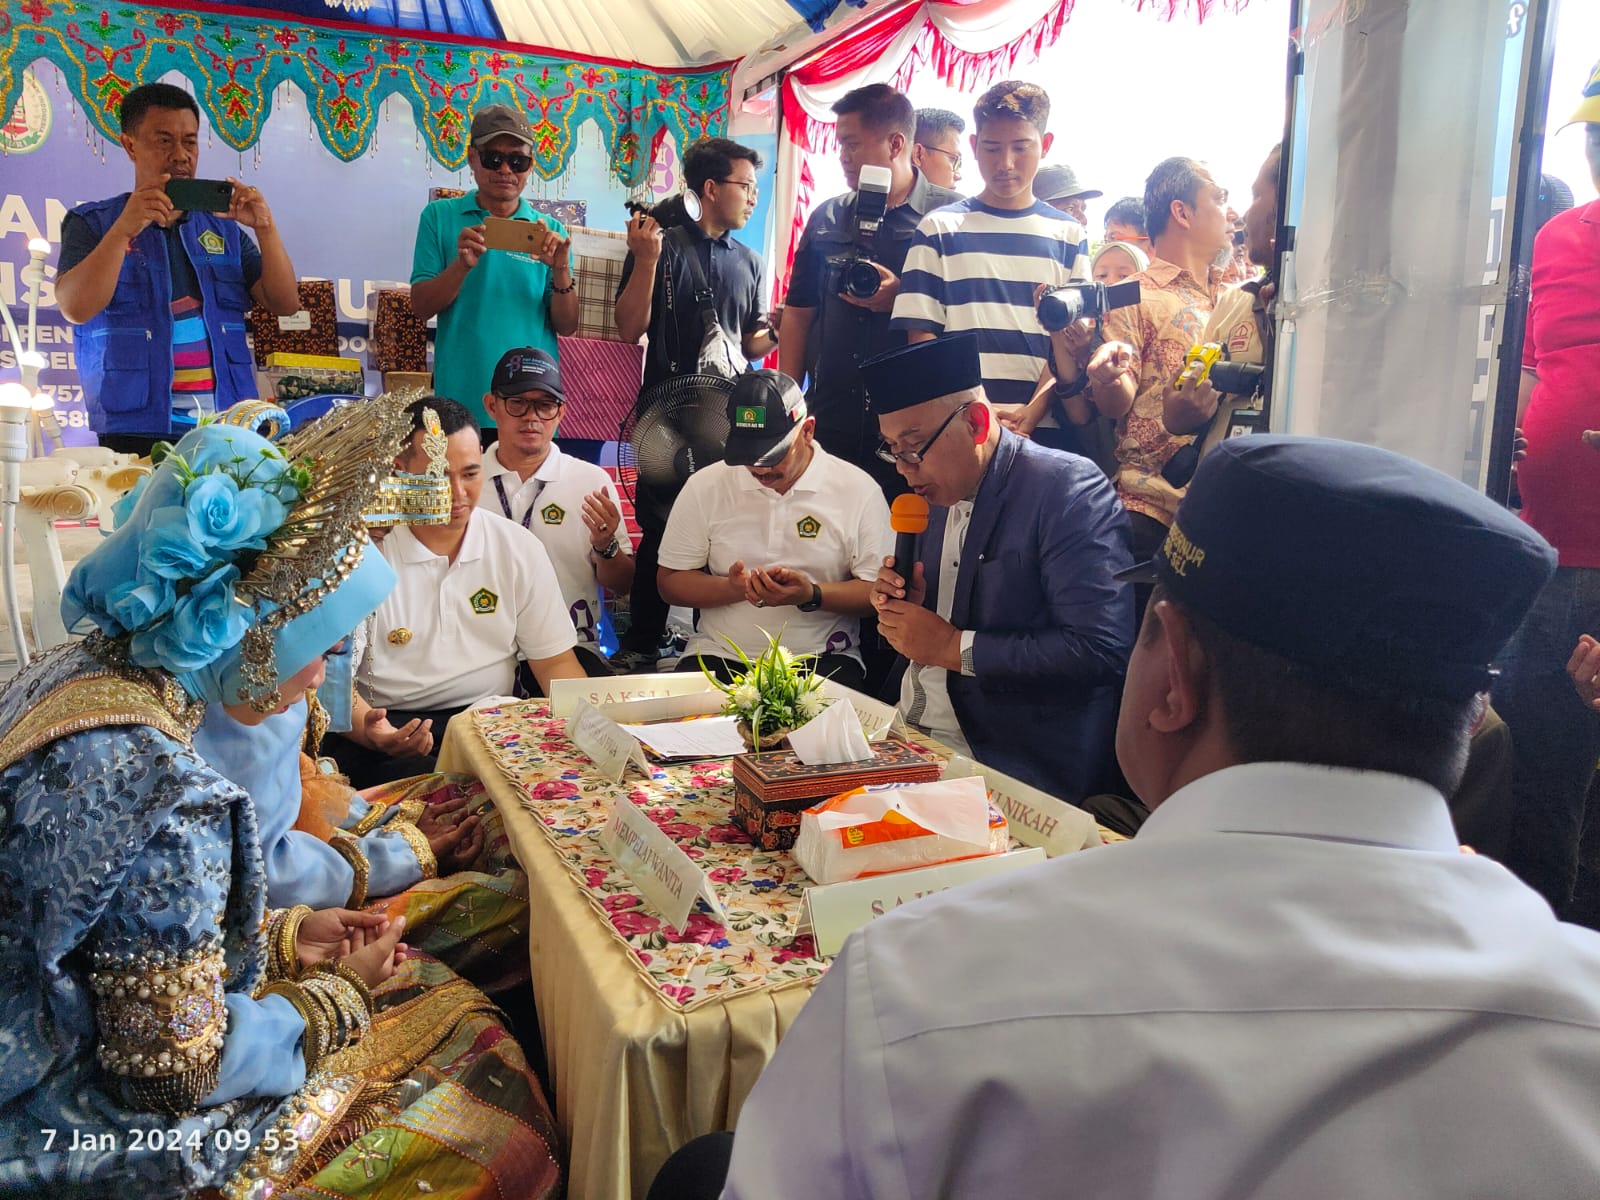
pixel 1205 362
pixel 1060 307
pixel 854 272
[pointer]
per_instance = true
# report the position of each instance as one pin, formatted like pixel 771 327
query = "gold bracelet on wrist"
pixel 411 810
pixel 283 946
pixel 351 853
pixel 352 1016
pixel 420 846
pixel 348 973
pixel 316 1042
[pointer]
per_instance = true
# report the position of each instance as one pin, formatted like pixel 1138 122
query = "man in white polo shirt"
pixel 570 505
pixel 472 598
pixel 779 524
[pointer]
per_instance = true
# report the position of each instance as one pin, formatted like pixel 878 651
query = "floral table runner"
pixel 691 803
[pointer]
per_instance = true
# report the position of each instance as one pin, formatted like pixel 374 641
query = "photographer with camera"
pixel 680 254
pixel 847 273
pixel 1231 397
pixel 1146 345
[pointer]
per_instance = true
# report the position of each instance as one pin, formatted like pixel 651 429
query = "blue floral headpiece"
pixel 233 540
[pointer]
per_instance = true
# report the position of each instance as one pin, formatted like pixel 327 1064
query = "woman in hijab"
pixel 159 1026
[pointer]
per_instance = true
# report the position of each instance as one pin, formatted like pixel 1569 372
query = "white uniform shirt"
pixel 925 691
pixel 550 505
pixel 831 525
pixel 1290 985
pixel 451 633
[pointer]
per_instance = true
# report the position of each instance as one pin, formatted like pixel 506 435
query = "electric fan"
pixel 677 427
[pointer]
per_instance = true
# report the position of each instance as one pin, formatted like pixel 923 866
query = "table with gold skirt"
pixel 654 1035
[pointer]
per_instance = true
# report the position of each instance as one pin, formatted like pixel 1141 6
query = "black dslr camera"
pixel 1060 307
pixel 669 213
pixel 854 272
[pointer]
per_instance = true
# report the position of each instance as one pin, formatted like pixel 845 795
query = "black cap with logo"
pixel 527 369
pixel 765 412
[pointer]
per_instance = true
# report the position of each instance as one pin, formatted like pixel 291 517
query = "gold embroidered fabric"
pixel 101 698
pixel 162 1024
pixel 420 846
pixel 402 1036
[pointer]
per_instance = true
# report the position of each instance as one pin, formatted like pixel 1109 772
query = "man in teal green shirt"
pixel 487 299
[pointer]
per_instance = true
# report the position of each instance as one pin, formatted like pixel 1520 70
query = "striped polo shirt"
pixel 973 267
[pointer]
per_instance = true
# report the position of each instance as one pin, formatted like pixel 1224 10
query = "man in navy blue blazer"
pixel 1012 632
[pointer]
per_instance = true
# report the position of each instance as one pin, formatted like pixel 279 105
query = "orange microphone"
pixel 908 516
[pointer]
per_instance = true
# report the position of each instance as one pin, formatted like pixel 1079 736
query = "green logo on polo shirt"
pixel 211 242
pixel 483 602
pixel 750 416
pixel 808 527
pixel 552 514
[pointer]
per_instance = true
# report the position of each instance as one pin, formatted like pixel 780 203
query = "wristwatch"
pixel 815 602
pixel 610 551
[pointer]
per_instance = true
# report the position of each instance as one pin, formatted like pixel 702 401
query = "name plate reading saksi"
pixel 835 910
pixel 663 874
pixel 566 694
pixel 610 745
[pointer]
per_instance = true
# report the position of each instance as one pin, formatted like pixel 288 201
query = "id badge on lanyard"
pixel 505 502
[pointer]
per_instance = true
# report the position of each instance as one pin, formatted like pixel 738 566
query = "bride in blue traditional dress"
pixel 161 1031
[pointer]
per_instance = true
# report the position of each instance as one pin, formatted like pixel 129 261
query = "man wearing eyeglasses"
pixel 568 504
pixel 487 299
pixel 830 331
pixel 1012 630
pixel 656 296
pixel 936 151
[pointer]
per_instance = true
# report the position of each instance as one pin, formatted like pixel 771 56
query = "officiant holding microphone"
pixel 1012 634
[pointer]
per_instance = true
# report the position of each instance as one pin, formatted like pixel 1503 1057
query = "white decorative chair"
pixel 73 484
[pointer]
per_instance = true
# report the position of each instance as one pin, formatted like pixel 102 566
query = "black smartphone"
pixel 200 195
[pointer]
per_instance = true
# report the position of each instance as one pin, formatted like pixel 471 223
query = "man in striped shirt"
pixel 975 265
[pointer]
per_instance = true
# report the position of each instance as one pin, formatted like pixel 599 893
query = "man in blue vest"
pixel 161 294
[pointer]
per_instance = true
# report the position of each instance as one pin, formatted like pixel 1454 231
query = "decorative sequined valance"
pixel 235 59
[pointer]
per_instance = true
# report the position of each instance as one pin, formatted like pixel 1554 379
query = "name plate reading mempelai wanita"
pixel 663 874
pixel 1032 817
pixel 610 745
pixel 835 910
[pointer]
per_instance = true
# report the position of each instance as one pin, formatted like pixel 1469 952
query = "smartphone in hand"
pixel 507 233
pixel 200 195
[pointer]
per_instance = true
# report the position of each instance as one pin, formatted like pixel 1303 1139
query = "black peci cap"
pixel 1351 560
pixel 923 371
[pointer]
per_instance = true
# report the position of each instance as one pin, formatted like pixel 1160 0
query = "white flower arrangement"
pixel 777 691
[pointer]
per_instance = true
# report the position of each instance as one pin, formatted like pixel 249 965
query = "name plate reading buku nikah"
pixel 663 874
pixel 1032 817
pixel 610 745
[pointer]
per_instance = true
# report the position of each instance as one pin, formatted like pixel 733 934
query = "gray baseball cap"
pixel 1060 182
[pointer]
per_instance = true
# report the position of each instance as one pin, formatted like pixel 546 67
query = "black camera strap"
pixel 703 296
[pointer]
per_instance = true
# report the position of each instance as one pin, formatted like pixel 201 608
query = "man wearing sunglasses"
pixel 1012 630
pixel 487 299
pixel 568 504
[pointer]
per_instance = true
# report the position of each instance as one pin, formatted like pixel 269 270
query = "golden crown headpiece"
pixel 349 454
